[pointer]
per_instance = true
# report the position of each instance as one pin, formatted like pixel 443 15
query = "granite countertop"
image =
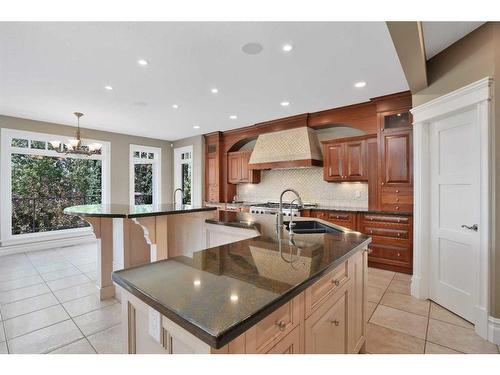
pixel 126 211
pixel 218 293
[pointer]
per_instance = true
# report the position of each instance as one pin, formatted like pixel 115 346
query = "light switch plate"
pixel 154 318
pixel 357 194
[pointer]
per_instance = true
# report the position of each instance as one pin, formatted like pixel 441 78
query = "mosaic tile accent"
pixel 310 185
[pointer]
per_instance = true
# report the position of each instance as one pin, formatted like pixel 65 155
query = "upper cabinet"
pixel 346 159
pixel 237 168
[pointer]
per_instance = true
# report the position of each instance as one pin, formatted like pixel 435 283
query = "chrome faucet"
pixel 291 224
pixel 182 195
pixel 279 215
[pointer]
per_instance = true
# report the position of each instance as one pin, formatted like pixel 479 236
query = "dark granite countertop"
pixel 218 293
pixel 361 210
pixel 126 211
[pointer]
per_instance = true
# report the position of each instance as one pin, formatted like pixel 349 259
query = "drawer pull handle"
pixel 335 322
pixel 281 325
pixel 336 282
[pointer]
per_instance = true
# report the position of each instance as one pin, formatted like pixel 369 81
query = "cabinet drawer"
pixel 367 218
pixel 340 216
pixel 386 232
pixel 398 253
pixel 266 333
pixel 396 207
pixel 391 195
pixel 317 293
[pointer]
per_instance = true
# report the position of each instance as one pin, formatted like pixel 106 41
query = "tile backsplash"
pixel 310 185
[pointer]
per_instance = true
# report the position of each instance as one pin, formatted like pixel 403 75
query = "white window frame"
pixel 6 236
pixel 156 162
pixel 178 161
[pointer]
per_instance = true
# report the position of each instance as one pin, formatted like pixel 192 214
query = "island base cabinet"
pixel 320 320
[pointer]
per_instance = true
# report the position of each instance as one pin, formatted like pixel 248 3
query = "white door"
pixel 455 186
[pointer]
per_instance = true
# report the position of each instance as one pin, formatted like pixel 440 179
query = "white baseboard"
pixel 417 289
pixel 494 330
pixel 46 244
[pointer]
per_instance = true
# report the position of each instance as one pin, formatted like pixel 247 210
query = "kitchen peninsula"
pixel 258 290
pixel 133 235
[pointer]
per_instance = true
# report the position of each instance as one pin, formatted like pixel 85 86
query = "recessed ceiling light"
pixel 215 90
pixel 109 88
pixel 252 48
pixel 360 84
pixel 196 127
pixel 285 104
pixel 175 106
pixel 142 62
pixel 233 117
pixel 287 47
pixel 234 297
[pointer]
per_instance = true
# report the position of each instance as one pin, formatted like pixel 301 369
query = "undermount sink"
pixel 310 227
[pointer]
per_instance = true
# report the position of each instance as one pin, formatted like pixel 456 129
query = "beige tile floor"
pixel 400 323
pixel 49 304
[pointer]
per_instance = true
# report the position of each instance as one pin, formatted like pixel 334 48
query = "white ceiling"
pixel 50 70
pixel 440 35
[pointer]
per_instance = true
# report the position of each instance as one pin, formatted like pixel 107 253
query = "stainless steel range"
pixel 273 207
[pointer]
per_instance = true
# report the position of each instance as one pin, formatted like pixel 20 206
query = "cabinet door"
pixel 355 159
pixel 234 168
pixel 245 172
pixel 213 187
pixel 288 345
pixel 326 329
pixel 334 168
pixel 396 158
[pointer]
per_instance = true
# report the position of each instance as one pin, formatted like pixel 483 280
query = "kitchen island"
pixel 133 235
pixel 253 289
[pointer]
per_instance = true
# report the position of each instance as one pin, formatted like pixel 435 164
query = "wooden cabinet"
pixel 392 241
pixel 326 330
pixel 357 302
pixel 346 159
pixel 396 152
pixel 237 168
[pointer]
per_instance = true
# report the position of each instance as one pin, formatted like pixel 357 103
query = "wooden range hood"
pixel 291 148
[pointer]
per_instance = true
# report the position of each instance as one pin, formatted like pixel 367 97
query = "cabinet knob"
pixel 382 183
pixel 397 191
pixel 336 282
pixel 397 207
pixel 281 325
pixel 335 322
pixel 397 199
pixel 399 254
pixel 371 231
pixel 399 234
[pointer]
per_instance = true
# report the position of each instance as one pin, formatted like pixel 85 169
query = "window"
pixel 39 183
pixel 145 176
pixel 183 172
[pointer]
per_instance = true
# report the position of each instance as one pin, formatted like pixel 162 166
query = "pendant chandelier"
pixel 75 146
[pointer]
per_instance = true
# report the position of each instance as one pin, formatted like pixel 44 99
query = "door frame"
pixel 476 96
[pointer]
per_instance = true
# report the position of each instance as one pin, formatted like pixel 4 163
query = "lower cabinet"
pixel 326 330
pixel 327 318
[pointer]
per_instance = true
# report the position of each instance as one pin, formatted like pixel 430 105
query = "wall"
pixel 198 165
pixel 468 60
pixel 120 148
pixel 307 181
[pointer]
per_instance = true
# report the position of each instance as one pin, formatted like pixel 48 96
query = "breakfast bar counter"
pixel 138 234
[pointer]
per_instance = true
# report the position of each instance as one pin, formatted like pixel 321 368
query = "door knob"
pixel 474 227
